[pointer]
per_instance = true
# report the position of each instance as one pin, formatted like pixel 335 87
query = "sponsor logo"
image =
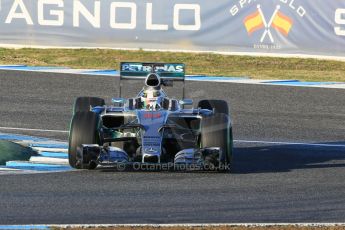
pixel 340 21
pixel 169 68
pixel 150 150
pixel 121 15
pixel 152 115
pixel 278 20
pixel 138 67
pixel 268 19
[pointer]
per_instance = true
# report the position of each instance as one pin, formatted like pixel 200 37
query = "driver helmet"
pixel 151 98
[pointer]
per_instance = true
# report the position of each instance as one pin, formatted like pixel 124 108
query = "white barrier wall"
pixel 267 26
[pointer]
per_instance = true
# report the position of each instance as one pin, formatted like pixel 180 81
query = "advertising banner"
pixel 314 27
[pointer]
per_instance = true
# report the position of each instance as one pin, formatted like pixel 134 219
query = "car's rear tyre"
pixel 83 104
pixel 84 130
pixel 216 131
pixel 220 106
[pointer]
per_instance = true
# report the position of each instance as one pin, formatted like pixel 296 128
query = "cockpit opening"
pixel 153 80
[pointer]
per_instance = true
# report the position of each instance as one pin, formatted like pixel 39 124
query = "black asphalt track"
pixel 272 182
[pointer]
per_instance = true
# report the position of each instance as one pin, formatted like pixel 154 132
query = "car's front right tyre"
pixel 84 104
pixel 84 130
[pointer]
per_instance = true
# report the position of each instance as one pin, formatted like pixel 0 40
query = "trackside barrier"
pixel 313 27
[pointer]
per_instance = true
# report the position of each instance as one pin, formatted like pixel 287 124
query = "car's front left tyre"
pixel 216 131
pixel 219 106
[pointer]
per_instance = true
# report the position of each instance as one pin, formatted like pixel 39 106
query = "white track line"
pixel 56 150
pixel 35 130
pixel 290 143
pixel 8 169
pixel 189 225
pixel 48 160
pixel 239 141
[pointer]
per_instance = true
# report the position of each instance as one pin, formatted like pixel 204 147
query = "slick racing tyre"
pixel 83 104
pixel 84 130
pixel 217 132
pixel 220 106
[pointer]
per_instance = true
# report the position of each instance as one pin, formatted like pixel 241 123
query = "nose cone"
pixel 153 80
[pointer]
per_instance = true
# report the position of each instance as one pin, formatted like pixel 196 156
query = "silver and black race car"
pixel 151 128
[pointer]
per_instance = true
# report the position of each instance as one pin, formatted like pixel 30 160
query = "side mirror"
pixel 119 101
pixel 186 102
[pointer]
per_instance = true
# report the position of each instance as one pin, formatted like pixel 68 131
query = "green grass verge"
pixel 10 151
pixel 210 64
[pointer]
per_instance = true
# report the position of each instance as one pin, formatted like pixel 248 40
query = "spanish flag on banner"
pixel 253 22
pixel 282 23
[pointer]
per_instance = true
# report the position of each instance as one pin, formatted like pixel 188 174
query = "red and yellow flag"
pixel 282 23
pixel 253 22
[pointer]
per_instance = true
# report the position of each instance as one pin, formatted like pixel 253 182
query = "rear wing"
pixel 139 70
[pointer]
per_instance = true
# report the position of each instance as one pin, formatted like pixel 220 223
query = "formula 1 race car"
pixel 151 128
